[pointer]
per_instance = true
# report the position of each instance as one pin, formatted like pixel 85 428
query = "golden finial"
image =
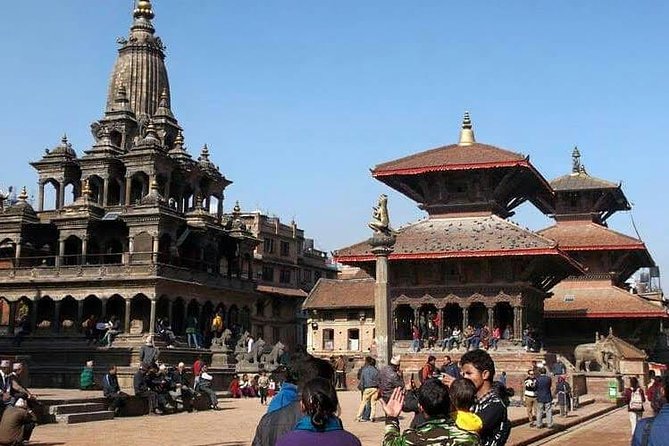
pixel 143 9
pixel 23 196
pixel 467 132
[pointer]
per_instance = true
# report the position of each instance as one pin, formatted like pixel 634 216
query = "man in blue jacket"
pixel 544 399
pixel 653 431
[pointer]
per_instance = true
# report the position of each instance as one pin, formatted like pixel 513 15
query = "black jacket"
pixel 274 424
pixel 110 385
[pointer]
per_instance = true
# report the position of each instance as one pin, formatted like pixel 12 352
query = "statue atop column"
pixel 5 198
pixel 380 224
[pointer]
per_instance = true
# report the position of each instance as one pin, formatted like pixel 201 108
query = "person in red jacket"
pixel 197 365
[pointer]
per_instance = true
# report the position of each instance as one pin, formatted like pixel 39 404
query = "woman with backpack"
pixel 563 390
pixel 634 398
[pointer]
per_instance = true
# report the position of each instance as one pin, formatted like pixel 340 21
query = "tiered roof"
pixel 597 299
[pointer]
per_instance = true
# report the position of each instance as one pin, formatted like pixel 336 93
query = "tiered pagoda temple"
pixel 466 263
pixel 137 229
pixel 597 300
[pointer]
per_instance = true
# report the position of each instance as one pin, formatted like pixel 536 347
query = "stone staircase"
pixel 80 413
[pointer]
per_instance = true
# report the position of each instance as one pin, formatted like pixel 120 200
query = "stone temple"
pixel 137 231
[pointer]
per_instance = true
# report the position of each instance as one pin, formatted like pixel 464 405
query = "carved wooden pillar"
pixel 55 323
pixel 442 314
pixel 416 316
pixel 517 322
pixel 126 323
pixel 491 316
pixel 465 317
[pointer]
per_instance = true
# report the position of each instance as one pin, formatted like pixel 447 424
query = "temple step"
pixel 65 409
pixel 84 417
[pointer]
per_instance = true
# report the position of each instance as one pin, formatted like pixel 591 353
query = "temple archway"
pixel 139 187
pixel 452 316
pixel 116 307
pixel 68 309
pixel 403 322
pixel 504 316
pixel 72 253
pixel 92 307
pixel 163 308
pixel 178 315
pixel 233 319
pixel 45 310
pixel 50 194
pixel 96 186
pixel 70 194
pixel 478 315
pixel 140 309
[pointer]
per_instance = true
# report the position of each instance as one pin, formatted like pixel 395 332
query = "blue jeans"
pixel 547 410
pixel 493 343
pixel 192 337
pixel 415 345
pixel 452 342
pixel 474 343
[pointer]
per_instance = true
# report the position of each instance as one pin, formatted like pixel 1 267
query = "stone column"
pixel 60 201
pixel 84 249
pixel 61 252
pixel 154 256
pixel 465 317
pixel 33 314
pixel 382 246
pixel 126 324
pixel 105 191
pixel 17 262
pixel 517 329
pixel 40 197
pixel 80 313
pixel 128 186
pixel 152 323
pixel 219 210
pixel 103 307
pixel 55 324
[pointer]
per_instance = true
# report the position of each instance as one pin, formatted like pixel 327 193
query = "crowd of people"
pixel 653 430
pixel 471 338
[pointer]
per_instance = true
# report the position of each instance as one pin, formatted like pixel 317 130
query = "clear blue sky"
pixel 298 99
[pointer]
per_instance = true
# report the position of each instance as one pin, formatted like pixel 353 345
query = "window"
pixel 328 339
pixel 285 249
pixel 306 275
pixel 284 277
pixel 353 315
pixel 353 339
pixel 569 298
pixel 268 273
pixel 269 246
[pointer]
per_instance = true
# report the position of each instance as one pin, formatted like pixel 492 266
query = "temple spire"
pixel 467 132
pixel 575 160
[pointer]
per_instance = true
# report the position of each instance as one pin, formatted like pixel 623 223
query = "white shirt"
pixel 249 345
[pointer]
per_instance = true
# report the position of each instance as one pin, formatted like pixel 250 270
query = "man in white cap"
pixel 390 378
pixel 17 424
